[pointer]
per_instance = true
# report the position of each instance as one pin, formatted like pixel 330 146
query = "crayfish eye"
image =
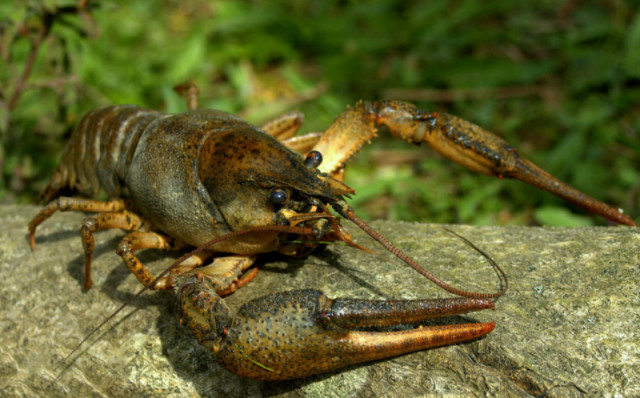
pixel 279 196
pixel 313 159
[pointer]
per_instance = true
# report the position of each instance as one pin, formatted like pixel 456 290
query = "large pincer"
pixel 303 332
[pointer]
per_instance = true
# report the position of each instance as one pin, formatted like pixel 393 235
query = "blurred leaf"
pixel 495 73
pixel 559 216
pixel 192 57
pixel 632 48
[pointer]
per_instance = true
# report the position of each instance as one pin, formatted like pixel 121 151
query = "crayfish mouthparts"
pixel 300 333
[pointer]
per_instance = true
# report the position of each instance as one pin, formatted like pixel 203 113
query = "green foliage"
pixel 560 81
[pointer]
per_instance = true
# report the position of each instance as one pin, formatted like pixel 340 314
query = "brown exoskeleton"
pixel 184 180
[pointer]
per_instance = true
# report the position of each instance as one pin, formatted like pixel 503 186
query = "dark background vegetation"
pixel 560 80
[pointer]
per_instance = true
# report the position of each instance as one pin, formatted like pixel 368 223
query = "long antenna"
pixel 413 264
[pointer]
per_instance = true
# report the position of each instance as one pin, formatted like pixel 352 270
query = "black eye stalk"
pixel 313 159
pixel 279 196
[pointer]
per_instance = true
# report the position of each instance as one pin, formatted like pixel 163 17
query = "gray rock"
pixel 568 326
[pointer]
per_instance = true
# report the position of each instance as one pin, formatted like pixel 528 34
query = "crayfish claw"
pixel 301 333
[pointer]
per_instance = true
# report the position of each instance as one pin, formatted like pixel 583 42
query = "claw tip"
pixel 486 328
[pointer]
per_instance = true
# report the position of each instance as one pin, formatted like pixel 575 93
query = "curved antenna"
pixel 344 209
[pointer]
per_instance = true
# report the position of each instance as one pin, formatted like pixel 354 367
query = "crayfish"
pixel 208 179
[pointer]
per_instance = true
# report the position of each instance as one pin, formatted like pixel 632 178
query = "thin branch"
pixel 43 31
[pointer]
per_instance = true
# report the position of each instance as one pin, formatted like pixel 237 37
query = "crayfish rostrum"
pixel 208 179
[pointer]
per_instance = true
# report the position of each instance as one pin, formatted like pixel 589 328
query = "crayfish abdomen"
pixel 100 151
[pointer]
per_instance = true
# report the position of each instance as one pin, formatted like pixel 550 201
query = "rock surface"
pixel 567 327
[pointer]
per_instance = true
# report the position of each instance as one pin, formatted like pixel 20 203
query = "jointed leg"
pixel 225 273
pixel 123 219
pixel 284 129
pixel 139 240
pixel 64 203
pixel 285 126
pixel 189 92
pixel 302 143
